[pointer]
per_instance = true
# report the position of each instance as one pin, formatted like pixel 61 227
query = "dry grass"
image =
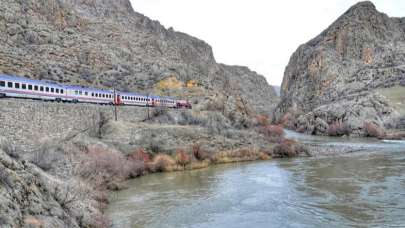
pixel 246 154
pixel 162 163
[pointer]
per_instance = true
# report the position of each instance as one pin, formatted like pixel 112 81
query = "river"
pixel 363 189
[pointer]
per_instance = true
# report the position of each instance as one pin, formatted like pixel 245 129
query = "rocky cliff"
pixel 352 73
pixel 105 43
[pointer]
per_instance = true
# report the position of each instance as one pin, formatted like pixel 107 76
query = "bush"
pixel 262 120
pixel 274 133
pixel 161 163
pixel 338 128
pixel 373 130
pixel 103 167
pixel 182 158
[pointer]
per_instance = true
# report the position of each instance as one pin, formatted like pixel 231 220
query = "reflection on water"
pixel 362 189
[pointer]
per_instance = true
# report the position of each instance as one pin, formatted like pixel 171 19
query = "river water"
pixel 363 189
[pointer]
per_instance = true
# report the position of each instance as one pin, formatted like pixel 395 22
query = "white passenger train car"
pixel 12 86
pixel 89 95
pixel 134 99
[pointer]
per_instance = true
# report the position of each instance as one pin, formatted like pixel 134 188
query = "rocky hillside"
pixel 105 44
pixel 345 76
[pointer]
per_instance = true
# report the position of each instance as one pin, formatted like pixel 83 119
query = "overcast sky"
pixel 260 34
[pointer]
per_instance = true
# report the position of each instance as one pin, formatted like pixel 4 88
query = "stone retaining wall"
pixel 25 122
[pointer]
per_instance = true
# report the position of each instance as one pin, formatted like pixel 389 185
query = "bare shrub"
pixel 187 118
pixel 199 153
pixel 153 144
pixel 97 129
pixel 101 221
pixel 102 167
pixel 373 130
pixel 287 120
pixel 286 148
pixel 182 158
pixel 4 178
pixel 262 120
pixel 159 111
pixel 46 156
pixel 139 155
pixel 67 195
pixel 338 128
pixel 274 133
pixel 135 168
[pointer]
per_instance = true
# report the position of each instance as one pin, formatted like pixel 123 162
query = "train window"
pixel 61 91
pixel 92 94
pixel 80 92
pixel 23 86
pixel 35 87
pixel 46 89
pixel 2 83
pixel 52 90
pixel 86 93
pixel 57 90
pixel 17 85
pixel 96 94
pixel 103 95
pixel 41 88
pixel 9 84
pixel 30 87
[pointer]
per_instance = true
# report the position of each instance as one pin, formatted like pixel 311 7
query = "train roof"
pixel 88 89
pixel 132 94
pixel 31 81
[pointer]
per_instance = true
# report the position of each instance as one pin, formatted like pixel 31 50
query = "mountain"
pixel 105 43
pixel 352 73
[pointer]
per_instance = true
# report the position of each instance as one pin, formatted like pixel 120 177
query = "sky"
pixel 259 34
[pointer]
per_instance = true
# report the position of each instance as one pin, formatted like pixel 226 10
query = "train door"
pixel 117 100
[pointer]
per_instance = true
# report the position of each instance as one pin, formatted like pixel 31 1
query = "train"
pixel 20 87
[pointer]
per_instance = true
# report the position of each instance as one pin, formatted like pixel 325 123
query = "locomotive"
pixel 19 87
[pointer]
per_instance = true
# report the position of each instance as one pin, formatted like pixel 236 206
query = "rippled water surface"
pixel 359 190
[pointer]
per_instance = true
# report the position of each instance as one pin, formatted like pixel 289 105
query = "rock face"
pixel 337 75
pixel 104 43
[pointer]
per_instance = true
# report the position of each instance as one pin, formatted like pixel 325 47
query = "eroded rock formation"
pixel 340 75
